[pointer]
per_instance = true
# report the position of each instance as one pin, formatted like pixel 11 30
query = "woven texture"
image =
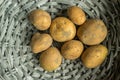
pixel 17 62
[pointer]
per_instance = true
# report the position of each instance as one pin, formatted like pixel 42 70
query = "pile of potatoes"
pixel 91 32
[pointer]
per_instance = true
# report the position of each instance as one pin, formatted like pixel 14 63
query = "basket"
pixel 17 62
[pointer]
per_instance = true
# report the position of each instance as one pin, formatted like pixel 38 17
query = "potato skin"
pixel 72 49
pixel 62 29
pixel 40 42
pixel 94 56
pixel 92 32
pixel 40 19
pixel 76 14
pixel 50 59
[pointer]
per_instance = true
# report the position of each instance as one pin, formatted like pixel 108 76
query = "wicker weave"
pixel 17 62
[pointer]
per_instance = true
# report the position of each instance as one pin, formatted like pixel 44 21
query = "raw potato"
pixel 40 19
pixel 94 56
pixel 76 14
pixel 40 42
pixel 62 29
pixel 50 59
pixel 72 49
pixel 92 32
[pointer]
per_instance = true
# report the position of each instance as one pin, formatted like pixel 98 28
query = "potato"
pixel 50 59
pixel 40 19
pixel 76 14
pixel 94 56
pixel 40 42
pixel 92 32
pixel 72 49
pixel 62 29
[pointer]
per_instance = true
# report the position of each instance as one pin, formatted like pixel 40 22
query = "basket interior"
pixel 17 62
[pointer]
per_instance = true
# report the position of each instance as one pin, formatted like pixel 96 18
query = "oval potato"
pixel 76 14
pixel 62 29
pixel 40 42
pixel 94 56
pixel 72 49
pixel 40 19
pixel 92 32
pixel 50 59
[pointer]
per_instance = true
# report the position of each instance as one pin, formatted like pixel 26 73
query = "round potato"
pixel 40 19
pixel 76 14
pixel 40 42
pixel 50 59
pixel 94 56
pixel 72 49
pixel 92 32
pixel 62 29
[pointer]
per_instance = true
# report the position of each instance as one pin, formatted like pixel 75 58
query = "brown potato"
pixel 76 14
pixel 40 42
pixel 40 19
pixel 62 29
pixel 50 59
pixel 92 32
pixel 94 56
pixel 72 49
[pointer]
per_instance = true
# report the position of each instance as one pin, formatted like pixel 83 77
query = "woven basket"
pixel 17 62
